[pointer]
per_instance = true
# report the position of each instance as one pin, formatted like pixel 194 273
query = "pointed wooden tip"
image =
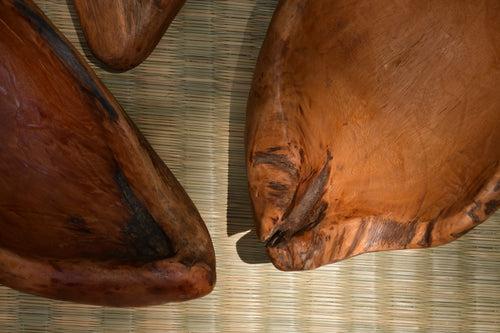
pixel 123 33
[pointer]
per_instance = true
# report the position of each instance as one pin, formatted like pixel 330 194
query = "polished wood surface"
pixel 374 125
pixel 88 211
pixel 123 33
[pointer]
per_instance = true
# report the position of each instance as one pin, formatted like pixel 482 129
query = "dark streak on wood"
pixel 278 194
pixel 78 224
pixel 491 206
pixel 301 110
pixel 278 187
pixel 66 55
pixel 427 237
pixel 280 161
pixel 302 155
pixel 357 238
pixel 304 212
pixel 339 241
pixel 276 239
pixel 317 216
pixel 142 232
pixel 391 233
pixel 291 205
pixel 275 149
pixel 472 213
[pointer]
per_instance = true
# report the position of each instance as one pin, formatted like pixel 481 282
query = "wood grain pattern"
pixel 88 211
pixel 374 125
pixel 123 33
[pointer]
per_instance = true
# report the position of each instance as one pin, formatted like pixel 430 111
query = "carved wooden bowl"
pixel 88 211
pixel 374 125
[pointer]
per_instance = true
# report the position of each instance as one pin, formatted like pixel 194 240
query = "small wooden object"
pixel 123 33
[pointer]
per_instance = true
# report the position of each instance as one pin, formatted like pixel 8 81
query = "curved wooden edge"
pixel 131 54
pixel 105 284
pixel 376 234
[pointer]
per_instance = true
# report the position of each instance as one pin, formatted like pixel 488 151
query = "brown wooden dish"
pixel 123 33
pixel 88 211
pixel 374 125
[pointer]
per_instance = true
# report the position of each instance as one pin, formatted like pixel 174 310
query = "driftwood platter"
pixel 374 125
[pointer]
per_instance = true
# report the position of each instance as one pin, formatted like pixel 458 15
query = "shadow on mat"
pixel 239 215
pixel 81 38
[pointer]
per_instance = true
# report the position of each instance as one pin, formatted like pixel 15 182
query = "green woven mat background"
pixel 189 100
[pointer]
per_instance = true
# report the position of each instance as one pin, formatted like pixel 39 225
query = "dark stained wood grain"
pixel 88 211
pixel 123 33
pixel 374 125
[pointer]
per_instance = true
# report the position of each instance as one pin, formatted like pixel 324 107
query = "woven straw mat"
pixel 189 100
